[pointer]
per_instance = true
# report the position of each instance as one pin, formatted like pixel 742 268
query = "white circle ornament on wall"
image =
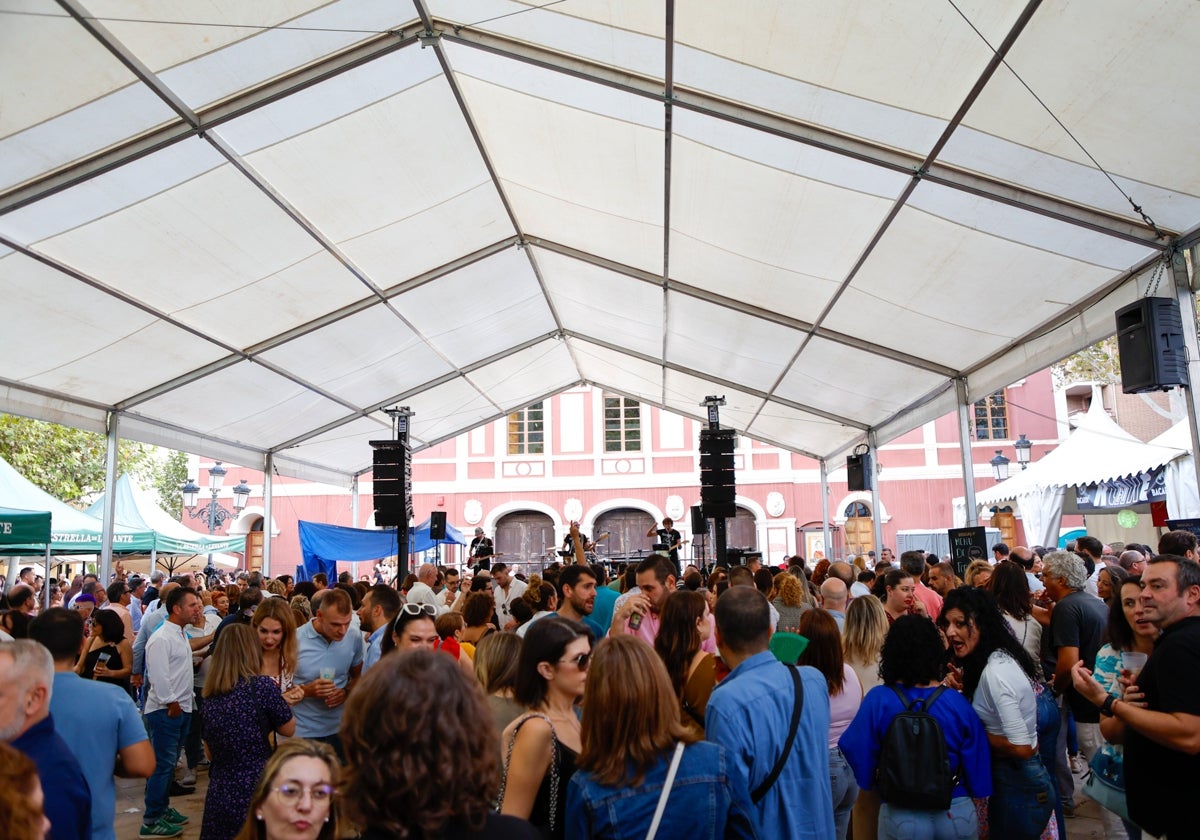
pixel 573 510
pixel 473 511
pixel 775 503
pixel 1127 518
pixel 674 507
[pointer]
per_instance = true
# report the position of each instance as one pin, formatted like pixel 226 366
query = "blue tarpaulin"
pixel 322 546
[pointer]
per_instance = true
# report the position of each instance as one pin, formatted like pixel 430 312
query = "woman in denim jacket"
pixel 631 729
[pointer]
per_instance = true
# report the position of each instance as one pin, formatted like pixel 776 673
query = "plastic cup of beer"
pixel 1133 662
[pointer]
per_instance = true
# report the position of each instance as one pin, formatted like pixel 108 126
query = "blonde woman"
pixel 979 573
pixel 240 710
pixel 790 602
pixel 862 639
pixel 275 624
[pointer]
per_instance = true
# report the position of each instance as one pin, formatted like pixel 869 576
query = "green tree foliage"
pixel 1098 363
pixel 69 463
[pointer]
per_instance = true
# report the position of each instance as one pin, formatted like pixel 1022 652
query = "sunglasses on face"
pixel 581 661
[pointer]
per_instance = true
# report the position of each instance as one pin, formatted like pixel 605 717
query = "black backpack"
pixel 914 766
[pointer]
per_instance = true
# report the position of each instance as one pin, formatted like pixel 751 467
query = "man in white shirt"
pixel 169 705
pixel 422 591
pixel 449 592
pixel 507 590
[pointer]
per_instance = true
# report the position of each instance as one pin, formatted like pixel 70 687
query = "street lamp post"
pixel 999 466
pixel 213 512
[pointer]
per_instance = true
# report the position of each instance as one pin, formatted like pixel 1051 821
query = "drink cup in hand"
pixel 328 673
pixel 1133 662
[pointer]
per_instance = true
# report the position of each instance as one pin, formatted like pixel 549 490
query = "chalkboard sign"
pixel 1192 525
pixel 967 544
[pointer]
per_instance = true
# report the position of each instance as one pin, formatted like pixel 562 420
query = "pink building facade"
pixel 619 467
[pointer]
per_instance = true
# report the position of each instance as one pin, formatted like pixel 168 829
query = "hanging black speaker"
pixel 858 472
pixel 437 525
pixel 1150 345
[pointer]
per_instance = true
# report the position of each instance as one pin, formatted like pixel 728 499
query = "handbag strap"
pixel 666 792
pixel 759 792
pixel 512 740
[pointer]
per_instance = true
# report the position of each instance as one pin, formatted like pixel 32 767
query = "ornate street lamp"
pixel 1024 451
pixel 999 466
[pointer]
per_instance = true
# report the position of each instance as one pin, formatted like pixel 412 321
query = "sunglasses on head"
pixel 416 609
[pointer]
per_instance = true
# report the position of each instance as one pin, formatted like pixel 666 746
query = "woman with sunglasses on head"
pixel 542 747
pixel 417 764
pixel 413 629
pixel 632 740
pixel 241 709
pixel 296 797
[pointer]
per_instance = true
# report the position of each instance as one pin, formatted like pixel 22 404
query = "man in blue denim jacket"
pixel 750 714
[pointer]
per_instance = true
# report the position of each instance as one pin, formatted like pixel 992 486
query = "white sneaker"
pixel 189 779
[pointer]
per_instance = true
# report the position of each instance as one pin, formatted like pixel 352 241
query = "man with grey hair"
pixel 422 591
pixel 1132 561
pixel 26 683
pixel 1076 631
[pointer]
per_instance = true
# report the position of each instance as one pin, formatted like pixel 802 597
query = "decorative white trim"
pixel 244 523
pixel 838 512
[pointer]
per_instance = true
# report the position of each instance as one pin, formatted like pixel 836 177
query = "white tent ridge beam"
pixel 459 373
pixel 697 101
pixel 746 308
pixel 486 159
pixel 275 341
pixel 716 380
pixel 668 135
pixel 231 108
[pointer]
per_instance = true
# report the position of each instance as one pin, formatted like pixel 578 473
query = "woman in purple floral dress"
pixel 240 711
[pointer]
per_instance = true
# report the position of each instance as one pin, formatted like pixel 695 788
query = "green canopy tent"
pixel 74 531
pixel 136 509
pixel 26 527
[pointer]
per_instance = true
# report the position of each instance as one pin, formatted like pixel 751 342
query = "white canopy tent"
pixel 1183 497
pixel 242 229
pixel 1096 450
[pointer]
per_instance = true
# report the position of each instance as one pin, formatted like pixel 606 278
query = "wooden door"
pixel 524 538
pixel 254 549
pixel 741 532
pixel 1007 523
pixel 859 528
pixel 626 529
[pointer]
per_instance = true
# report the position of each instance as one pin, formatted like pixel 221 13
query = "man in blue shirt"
pixel 26 684
pixel 750 713
pixel 375 616
pixel 329 660
pixel 99 722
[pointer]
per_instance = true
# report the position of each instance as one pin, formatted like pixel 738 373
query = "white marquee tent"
pixel 243 228
pixel 1183 498
pixel 1096 450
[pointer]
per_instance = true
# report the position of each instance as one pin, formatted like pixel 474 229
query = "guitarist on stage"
pixel 669 537
pixel 482 550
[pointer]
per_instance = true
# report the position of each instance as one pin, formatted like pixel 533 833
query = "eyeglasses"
pixel 417 609
pixel 581 661
pixel 292 793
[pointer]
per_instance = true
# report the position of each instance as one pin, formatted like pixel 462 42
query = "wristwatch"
pixel 1106 708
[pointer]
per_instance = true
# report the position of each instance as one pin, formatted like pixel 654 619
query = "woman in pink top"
pixel 824 652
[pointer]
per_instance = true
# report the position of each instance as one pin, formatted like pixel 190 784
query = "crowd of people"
pixel 855 698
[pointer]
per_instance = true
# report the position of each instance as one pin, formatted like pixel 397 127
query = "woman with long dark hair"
pixel 824 652
pixel 685 622
pixel 632 737
pixel 912 667
pixel 999 678
pixel 417 766
pixel 109 654
pixel 542 747
pixel 1010 588
pixel 1131 639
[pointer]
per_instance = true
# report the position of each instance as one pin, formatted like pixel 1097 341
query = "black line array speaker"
pixel 1150 345
pixel 699 526
pixel 390 479
pixel 717 479
pixel 858 472
pixel 437 525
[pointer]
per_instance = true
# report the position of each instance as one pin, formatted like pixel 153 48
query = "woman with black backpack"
pixel 916 744
pixel 999 677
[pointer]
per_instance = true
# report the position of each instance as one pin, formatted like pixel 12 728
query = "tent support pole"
pixel 964 445
pixel 824 514
pixel 354 512
pixel 110 502
pixel 268 492
pixel 1187 311
pixel 876 518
